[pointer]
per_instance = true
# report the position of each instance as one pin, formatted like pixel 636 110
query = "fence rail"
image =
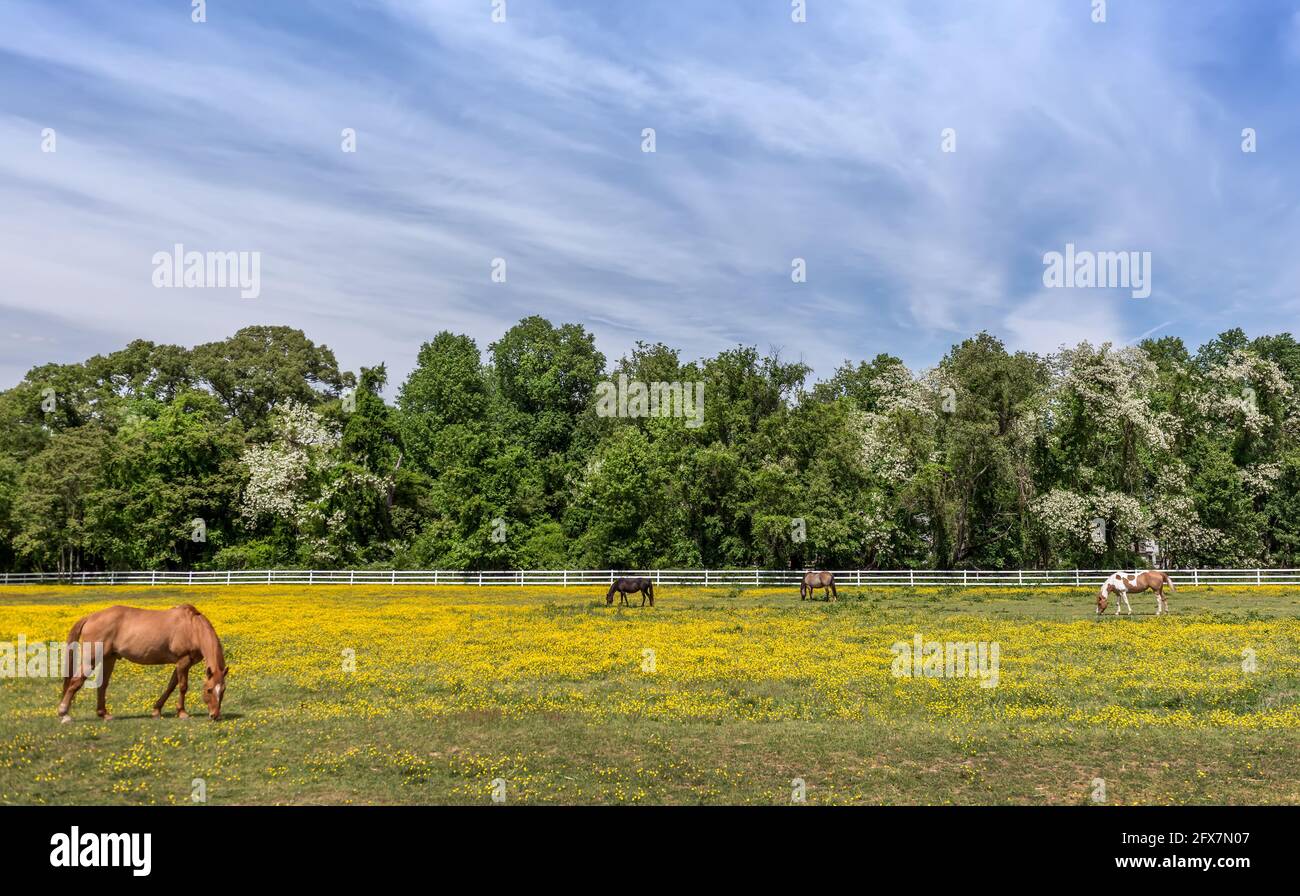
pixel 700 577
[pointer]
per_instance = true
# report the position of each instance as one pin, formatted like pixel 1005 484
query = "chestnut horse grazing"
pixel 814 580
pixel 1123 584
pixel 627 586
pixel 181 635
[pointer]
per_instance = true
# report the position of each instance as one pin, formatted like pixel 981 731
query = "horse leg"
pixel 1127 606
pixel 183 679
pixel 161 701
pixel 70 693
pixel 105 672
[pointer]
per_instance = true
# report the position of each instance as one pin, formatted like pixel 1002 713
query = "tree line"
pixel 257 451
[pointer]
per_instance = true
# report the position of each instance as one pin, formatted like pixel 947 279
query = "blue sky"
pixel 522 140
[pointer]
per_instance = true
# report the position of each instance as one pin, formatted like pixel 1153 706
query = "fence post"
pixel 1196 577
pixel 1258 580
pixel 963 578
pixel 706 578
pixel 566 579
pixel 480 578
pixel 911 578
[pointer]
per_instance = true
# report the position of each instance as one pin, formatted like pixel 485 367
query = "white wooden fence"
pixel 566 578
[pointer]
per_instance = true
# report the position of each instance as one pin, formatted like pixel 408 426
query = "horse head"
pixel 214 690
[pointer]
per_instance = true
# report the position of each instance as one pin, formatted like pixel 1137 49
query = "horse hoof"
pixel 106 716
pixel 157 714
pixel 63 720
pixel 182 715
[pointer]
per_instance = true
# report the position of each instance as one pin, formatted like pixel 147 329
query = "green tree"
pixel 169 488
pixel 260 368
pixel 53 493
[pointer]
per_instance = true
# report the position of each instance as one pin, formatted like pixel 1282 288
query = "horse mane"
pixel 209 643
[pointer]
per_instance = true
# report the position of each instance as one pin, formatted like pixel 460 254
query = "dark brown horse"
pixel 181 635
pixel 814 580
pixel 627 586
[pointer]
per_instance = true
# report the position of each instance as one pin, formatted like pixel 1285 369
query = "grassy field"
pixel 714 696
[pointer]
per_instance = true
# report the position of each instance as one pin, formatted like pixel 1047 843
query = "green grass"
pixel 442 731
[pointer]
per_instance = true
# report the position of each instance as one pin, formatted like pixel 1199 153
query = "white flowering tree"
pixel 302 491
pixel 284 473
pixel 1106 443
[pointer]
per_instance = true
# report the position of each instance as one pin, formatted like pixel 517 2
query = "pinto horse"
pixel 181 635
pixel 814 580
pixel 1122 584
pixel 627 586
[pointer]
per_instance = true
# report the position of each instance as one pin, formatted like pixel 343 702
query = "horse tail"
pixel 1169 581
pixel 74 637
pixel 650 588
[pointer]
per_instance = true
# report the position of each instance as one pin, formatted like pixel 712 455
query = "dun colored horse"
pixel 1123 584
pixel 814 580
pixel 181 635
pixel 627 586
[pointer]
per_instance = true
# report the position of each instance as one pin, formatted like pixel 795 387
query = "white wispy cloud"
pixel 522 141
